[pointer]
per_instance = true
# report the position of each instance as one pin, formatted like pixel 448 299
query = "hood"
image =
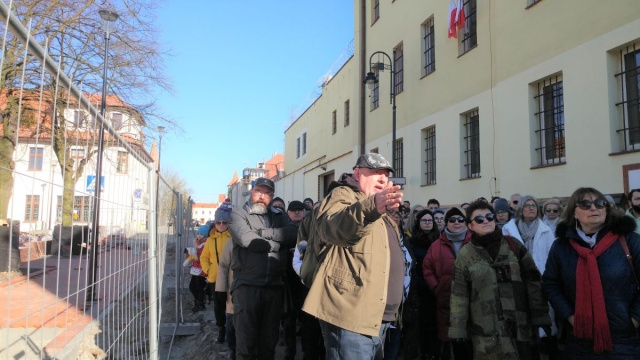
pixel 345 180
pixel 620 225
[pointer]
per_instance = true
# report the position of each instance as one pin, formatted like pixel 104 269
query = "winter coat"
pixel 350 288
pixel 620 290
pixel 211 253
pixel 261 243
pixel 225 275
pixel 194 259
pixel 437 270
pixel 542 242
pixel 632 215
pixel 497 303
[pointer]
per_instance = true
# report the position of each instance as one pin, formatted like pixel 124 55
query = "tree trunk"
pixel 7 148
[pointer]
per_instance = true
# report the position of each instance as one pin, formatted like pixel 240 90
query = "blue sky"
pixel 239 68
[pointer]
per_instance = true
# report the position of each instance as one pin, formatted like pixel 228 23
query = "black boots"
pixel 198 306
pixel 221 335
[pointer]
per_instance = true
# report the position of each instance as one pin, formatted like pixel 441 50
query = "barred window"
pixel 399 160
pixel 471 136
pixel 549 117
pixel 429 135
pixel 375 94
pixel 375 11
pixel 123 162
pixel 428 48
pixel 32 208
pixel 304 143
pixel 469 38
pixel 35 158
pixel 334 122
pixel 298 148
pixel 398 69
pixel 629 106
pixel 346 113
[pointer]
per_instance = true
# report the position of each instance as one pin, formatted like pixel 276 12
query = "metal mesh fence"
pixel 70 288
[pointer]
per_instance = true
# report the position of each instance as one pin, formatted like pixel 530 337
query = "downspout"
pixel 363 71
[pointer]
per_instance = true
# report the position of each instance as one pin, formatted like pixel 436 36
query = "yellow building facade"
pixel 535 97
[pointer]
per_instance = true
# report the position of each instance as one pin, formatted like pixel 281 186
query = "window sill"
pixel 466 52
pixel 426 185
pixel 547 165
pixel 624 152
pixel 427 74
pixel 470 178
pixel 532 4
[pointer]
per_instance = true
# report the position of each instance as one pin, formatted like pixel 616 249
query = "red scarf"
pixel 590 318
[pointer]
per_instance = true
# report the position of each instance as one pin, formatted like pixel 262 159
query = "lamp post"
pixel 160 133
pixel 108 16
pixel 371 79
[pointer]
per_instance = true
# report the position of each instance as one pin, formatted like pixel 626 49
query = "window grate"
pixel 428 48
pixel 399 160
pixel 346 113
pixel 398 70
pixel 629 106
pixel 471 127
pixel 430 155
pixel 334 122
pixel 550 121
pixel 469 39
pixel 375 93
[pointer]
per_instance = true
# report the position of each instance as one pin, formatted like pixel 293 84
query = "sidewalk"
pixel 45 310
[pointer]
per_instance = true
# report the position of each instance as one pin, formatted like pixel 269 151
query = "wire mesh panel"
pixel 81 257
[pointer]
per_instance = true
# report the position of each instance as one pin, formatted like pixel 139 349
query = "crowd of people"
pixel 363 274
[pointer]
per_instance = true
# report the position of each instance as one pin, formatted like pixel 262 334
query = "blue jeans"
pixel 341 344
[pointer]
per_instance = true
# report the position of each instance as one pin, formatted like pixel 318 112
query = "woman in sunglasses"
pixel 437 269
pixel 590 279
pixel 496 297
pixel 537 237
pixel 552 210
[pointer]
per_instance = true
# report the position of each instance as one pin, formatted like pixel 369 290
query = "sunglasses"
pixel 515 202
pixel 459 219
pixel 586 204
pixel 480 219
pixel 552 211
pixel 222 222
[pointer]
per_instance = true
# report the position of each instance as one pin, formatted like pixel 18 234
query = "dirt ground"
pixel 202 345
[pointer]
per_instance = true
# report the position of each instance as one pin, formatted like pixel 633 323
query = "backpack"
pixel 316 249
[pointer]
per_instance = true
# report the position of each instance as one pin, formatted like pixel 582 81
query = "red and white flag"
pixel 457 17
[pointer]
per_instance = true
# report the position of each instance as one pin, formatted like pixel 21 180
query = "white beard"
pixel 258 208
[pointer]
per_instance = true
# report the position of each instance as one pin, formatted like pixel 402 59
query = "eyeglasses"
pixel 426 221
pixel 501 212
pixel 459 219
pixel 480 219
pixel 440 219
pixel 586 204
pixel 222 222
pixel 529 206
pixel 552 211
pixel 262 192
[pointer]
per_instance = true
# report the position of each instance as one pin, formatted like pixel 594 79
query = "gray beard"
pixel 258 208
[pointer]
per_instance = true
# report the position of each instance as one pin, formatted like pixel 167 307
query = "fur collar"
pixel 620 225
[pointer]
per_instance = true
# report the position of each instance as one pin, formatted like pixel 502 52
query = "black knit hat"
pixel 454 211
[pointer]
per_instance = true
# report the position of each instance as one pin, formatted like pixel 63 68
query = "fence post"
pixel 153 273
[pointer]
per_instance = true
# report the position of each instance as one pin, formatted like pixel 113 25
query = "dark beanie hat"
pixel 452 212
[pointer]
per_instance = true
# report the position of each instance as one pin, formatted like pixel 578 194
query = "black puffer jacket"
pixel 621 293
pixel 260 246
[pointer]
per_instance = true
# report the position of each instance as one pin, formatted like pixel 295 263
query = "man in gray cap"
pixel 358 287
pixel 261 240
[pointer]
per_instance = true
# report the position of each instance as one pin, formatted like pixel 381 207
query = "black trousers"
pixel 197 286
pixel 219 306
pixel 257 312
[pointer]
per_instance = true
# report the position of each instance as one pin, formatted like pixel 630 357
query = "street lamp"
pixel 160 133
pixel 108 16
pixel 371 79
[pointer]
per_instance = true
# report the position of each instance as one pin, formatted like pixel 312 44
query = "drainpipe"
pixel 363 71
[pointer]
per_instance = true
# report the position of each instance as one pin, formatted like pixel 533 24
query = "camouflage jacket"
pixel 497 302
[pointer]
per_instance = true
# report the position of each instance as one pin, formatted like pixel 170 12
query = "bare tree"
pixel 72 33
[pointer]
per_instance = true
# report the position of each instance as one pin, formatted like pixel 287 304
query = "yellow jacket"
pixel 213 252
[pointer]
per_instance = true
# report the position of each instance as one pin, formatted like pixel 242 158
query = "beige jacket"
pixel 350 288
pixel 225 275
